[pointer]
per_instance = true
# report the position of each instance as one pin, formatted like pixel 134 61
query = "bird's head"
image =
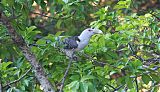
pixel 91 31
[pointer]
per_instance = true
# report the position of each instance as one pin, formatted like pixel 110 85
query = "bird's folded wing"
pixel 71 42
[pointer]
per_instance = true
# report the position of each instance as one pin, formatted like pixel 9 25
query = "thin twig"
pixel 134 6
pixel 98 63
pixel 15 17
pixel 42 15
pixel 18 78
pixel 155 16
pixel 137 89
pixel 64 17
pixel 111 86
pixel 114 88
pixel 134 53
pixel 65 75
pixel 153 60
pixel 118 88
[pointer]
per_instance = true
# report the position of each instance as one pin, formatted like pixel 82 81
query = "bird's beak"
pixel 97 31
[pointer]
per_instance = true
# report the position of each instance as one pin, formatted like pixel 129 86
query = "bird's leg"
pixel 74 57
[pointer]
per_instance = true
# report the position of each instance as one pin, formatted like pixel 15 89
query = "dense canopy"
pixel 126 58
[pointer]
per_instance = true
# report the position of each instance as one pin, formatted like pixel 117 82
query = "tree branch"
pixel 1 88
pixel 153 60
pixel 118 88
pixel 134 53
pixel 18 78
pixel 137 89
pixel 155 16
pixel 114 88
pixel 111 86
pixel 43 15
pixel 65 75
pixel 15 17
pixel 19 41
pixel 64 17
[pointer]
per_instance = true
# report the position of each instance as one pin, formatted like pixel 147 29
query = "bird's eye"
pixel 89 30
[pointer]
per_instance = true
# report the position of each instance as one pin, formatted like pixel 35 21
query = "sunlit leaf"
pixel 87 77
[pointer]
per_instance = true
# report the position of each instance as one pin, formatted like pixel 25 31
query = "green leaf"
pixel 91 87
pixel 8 2
pixel 129 82
pixel 87 77
pixel 3 66
pixel 148 15
pixel 26 82
pixel 155 89
pixel 122 4
pixel 41 42
pixel 137 63
pixel 155 77
pixel 158 46
pixel 31 28
pixel 146 78
pixel 4 75
pixel 83 87
pixel 38 1
pixel 113 72
pixel 66 1
pixel 102 41
pixel 58 25
pixel 75 77
pixel 59 33
pixel 73 86
pixel 43 5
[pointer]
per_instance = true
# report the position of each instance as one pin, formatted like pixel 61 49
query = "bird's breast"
pixel 82 44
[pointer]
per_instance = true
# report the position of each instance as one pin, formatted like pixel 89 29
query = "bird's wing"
pixel 71 42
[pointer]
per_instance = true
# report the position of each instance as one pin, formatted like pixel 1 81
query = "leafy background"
pixel 124 59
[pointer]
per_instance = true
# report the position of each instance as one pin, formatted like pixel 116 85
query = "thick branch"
pixel 65 75
pixel 19 41
pixel 18 78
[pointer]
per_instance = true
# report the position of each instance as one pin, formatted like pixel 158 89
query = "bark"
pixel 19 41
pixel 0 86
pixel 1 89
pixel 65 75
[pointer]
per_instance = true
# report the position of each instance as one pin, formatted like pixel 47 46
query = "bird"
pixel 77 43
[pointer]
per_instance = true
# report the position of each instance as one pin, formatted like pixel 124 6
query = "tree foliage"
pixel 125 58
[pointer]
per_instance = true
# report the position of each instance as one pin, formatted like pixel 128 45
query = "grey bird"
pixel 78 43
